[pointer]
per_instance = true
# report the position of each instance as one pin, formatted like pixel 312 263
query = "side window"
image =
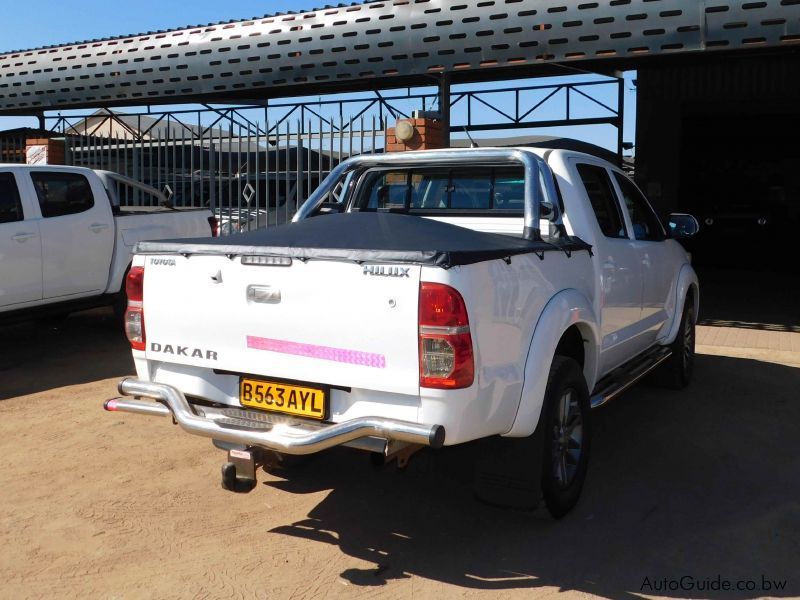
pixel 603 199
pixel 10 204
pixel 62 193
pixel 646 225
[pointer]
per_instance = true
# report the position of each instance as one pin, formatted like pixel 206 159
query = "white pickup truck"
pixel 452 295
pixel 65 243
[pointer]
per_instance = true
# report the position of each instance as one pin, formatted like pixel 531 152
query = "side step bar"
pixel 625 376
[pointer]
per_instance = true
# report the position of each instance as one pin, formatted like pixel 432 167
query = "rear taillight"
pixel 134 316
pixel 214 224
pixel 445 344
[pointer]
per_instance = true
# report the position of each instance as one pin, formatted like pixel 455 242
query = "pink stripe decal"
pixel 353 357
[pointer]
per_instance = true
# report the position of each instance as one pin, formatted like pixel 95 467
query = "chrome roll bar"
pixel 531 163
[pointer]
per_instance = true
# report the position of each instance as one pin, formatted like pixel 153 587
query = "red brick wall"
pixel 56 153
pixel 428 135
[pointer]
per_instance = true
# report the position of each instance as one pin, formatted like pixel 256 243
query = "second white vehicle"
pixel 65 243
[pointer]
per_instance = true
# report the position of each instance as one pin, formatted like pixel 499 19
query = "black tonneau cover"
pixel 368 237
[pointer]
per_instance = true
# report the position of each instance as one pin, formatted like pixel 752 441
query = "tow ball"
pixel 239 473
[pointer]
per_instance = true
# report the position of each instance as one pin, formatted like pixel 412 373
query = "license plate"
pixel 289 399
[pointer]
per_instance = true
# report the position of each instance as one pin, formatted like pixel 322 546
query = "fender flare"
pixel 565 309
pixel 116 280
pixel 687 279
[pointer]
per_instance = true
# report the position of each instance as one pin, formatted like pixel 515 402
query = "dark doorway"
pixel 740 176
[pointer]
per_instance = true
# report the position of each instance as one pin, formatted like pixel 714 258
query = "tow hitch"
pixel 239 473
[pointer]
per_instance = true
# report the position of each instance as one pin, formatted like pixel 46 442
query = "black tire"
pixel 119 307
pixel 120 304
pixel 566 416
pixel 54 321
pixel 676 372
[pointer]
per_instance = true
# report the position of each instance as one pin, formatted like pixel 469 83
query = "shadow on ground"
pixel 701 483
pixel 43 355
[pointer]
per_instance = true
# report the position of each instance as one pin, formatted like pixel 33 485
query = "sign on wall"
pixel 36 155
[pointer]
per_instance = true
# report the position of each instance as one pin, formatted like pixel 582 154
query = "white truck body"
pixel 64 242
pixel 333 324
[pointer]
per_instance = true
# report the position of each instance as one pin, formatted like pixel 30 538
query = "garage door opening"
pixel 741 178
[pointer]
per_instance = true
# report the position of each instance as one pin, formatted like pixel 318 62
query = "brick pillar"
pixel 428 135
pixel 43 151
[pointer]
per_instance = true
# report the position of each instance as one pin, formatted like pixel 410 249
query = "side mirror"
pixel 682 226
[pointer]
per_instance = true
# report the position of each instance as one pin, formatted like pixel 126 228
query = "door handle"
pixel 23 237
pixel 97 227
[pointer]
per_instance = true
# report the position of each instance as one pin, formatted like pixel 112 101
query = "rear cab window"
pixel 62 194
pixel 10 201
pixel 481 190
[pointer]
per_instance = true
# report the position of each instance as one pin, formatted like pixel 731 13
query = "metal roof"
pixel 382 43
pixel 183 27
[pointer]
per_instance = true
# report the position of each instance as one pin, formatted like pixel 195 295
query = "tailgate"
pixel 327 322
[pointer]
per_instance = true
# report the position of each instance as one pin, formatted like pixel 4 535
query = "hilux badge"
pixel 380 271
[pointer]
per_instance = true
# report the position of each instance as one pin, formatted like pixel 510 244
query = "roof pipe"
pixel 530 162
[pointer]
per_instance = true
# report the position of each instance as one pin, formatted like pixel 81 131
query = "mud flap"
pixel 510 473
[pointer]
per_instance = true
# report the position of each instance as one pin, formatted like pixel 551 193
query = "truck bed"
pixel 370 237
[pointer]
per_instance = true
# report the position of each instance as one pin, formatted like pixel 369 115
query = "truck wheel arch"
pixel 688 284
pixel 567 324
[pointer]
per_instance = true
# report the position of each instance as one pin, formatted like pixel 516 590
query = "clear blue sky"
pixel 33 23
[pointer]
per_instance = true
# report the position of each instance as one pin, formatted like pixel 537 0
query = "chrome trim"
pixel 136 406
pixel 251 428
pixel 263 294
pixel 530 161
pixel 436 330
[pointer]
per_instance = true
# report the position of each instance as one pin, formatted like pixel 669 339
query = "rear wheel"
pixel 567 436
pixel 120 304
pixel 676 372
pixel 54 321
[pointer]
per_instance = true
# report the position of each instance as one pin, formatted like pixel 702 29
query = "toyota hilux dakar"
pixel 419 299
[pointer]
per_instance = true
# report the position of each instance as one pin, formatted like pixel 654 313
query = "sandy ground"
pixel 704 483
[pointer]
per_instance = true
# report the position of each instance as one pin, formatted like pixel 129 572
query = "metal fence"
pixel 251 174
pixel 254 165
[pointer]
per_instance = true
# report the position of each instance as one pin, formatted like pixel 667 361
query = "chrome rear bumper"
pixel 275 432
